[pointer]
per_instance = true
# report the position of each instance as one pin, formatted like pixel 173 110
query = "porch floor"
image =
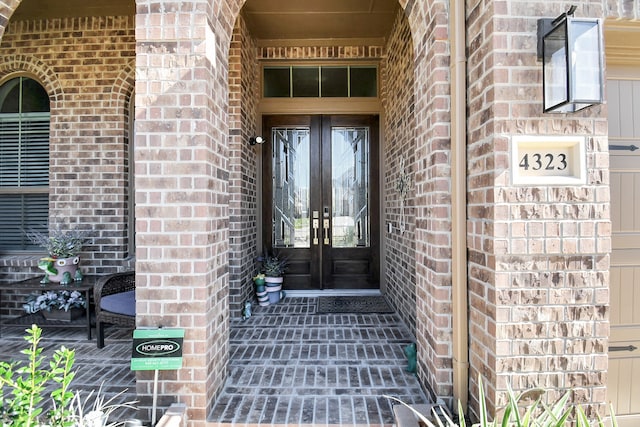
pixel 290 367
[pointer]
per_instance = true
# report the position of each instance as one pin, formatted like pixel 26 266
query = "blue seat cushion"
pixel 120 303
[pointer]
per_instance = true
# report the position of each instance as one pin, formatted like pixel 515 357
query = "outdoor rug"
pixel 353 304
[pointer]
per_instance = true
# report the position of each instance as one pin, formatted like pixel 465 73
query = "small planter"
pixel 63 316
pixel 274 286
pixel 274 297
pixel 273 282
pixel 263 297
pixel 65 265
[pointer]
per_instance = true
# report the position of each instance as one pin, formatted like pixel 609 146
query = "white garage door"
pixel 623 388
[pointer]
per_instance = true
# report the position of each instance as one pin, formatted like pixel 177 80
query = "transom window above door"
pixel 325 81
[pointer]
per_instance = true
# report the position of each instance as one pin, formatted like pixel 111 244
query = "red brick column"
pixel 538 254
pixel 182 193
pixel 429 26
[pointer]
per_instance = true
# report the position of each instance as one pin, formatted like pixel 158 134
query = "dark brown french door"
pixel 321 205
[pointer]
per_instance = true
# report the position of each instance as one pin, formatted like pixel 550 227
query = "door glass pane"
pixel 350 181
pixel 291 176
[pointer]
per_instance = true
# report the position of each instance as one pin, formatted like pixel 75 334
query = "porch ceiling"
pixel 320 20
pixel 42 9
pixel 277 20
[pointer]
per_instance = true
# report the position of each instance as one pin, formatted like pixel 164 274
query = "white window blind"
pixel 24 176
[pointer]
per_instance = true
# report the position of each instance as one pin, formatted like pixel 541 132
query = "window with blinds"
pixel 24 162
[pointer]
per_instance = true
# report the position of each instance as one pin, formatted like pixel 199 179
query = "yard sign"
pixel 157 349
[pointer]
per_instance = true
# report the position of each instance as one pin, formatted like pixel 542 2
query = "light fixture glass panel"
pixel 586 86
pixel 555 67
pixel 573 65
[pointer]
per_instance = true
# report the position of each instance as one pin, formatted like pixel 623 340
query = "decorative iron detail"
pixel 623 147
pixel 623 348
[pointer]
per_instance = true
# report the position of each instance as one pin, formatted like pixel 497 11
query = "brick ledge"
pixel 20 260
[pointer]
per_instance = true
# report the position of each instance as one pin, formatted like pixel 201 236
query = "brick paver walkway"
pixel 291 367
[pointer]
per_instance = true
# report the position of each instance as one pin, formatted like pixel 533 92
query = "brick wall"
pixel 90 83
pixel 398 156
pixel 243 203
pixel 429 27
pixel 538 255
pixel 320 52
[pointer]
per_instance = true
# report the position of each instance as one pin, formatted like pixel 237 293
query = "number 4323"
pixel 548 161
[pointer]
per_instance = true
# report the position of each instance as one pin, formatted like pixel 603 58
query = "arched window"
pixel 24 162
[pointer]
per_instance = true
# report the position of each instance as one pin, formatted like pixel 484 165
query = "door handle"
pixel 325 225
pixel 316 227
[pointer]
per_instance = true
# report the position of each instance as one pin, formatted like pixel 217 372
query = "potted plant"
pixel 65 305
pixel 261 292
pixel 273 267
pixel 63 247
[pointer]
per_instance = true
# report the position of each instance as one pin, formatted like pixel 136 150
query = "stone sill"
pixel 20 260
pixel 128 263
pixel 175 416
pixel 405 417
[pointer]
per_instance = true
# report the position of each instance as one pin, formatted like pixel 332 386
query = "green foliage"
pixel 22 386
pixel 517 413
pixel 537 414
pixel 48 300
pixel 60 243
pixel 88 415
pixel 273 265
pixel 23 389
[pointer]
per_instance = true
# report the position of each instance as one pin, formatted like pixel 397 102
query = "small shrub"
pixel 23 389
pixel 537 414
pixel 22 386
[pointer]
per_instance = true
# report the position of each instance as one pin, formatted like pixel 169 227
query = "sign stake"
pixel 154 405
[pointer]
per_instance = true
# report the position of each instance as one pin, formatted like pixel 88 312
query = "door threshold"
pixel 333 293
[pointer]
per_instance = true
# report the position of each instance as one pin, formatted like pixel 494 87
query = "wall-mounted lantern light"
pixel 572 53
pixel 256 140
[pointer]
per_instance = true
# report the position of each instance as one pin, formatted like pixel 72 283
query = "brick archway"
pixel 428 21
pixel 7 7
pixel 37 68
